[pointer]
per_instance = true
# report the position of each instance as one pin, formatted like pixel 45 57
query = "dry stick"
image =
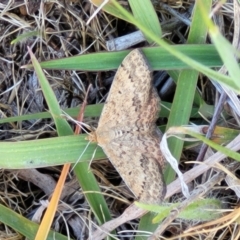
pixel 130 213
pixel 176 14
pixel 199 192
pixel 81 113
pixel 211 128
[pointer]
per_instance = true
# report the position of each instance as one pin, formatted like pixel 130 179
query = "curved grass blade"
pixel 23 225
pixel 158 57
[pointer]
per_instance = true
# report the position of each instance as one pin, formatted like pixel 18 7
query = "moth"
pixel 127 130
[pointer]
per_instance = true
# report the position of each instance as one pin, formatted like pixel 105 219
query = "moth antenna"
pixel 80 156
pixel 83 126
pixel 93 155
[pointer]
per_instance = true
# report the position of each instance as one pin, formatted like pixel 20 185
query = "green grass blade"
pixel 48 152
pixel 158 57
pixel 23 225
pixel 25 36
pixel 63 128
pixel 144 12
pixel 228 152
pixel 95 111
pixel 184 95
pixel 199 210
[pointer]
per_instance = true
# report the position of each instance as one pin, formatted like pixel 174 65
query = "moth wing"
pixel 139 163
pixel 132 96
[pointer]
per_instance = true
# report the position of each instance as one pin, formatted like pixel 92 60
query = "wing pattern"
pixel 127 131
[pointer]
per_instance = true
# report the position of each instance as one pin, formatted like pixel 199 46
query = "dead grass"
pixel 62 32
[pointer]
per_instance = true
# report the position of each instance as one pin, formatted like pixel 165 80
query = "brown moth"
pixel 127 130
